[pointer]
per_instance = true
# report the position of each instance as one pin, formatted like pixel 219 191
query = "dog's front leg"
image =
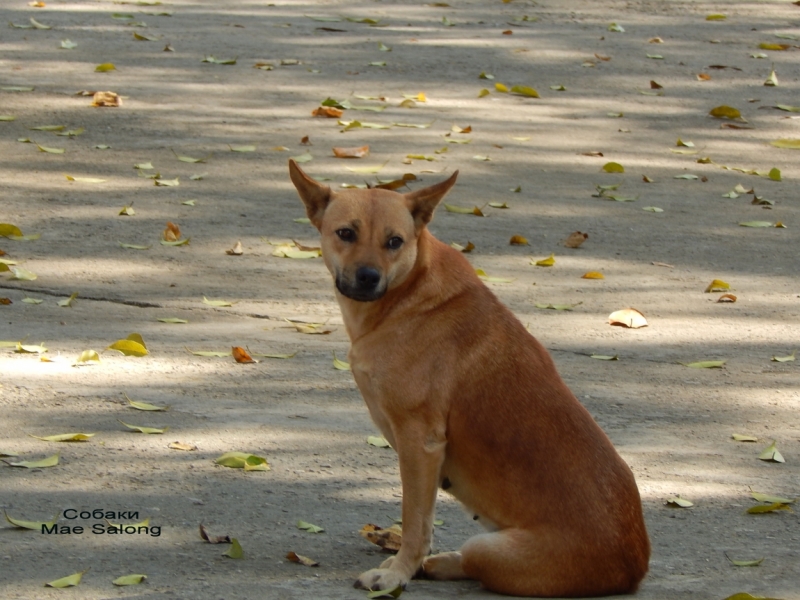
pixel 421 454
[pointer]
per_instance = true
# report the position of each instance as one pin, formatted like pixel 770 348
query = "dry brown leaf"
pixel 236 250
pixel 327 111
pixel 727 298
pixel 575 239
pixel 172 233
pixel 703 77
pixel 303 560
pixel 300 246
pixel 306 141
pixel 389 539
pixel 601 57
pixel 359 152
pixel 627 317
pixel 213 539
pixel 5 301
pixel 518 240
pixel 241 355
pixel 654 85
pixel 595 153
pixel 106 99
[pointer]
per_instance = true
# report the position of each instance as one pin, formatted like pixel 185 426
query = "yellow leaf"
pixel 235 551
pixel 388 539
pixel 725 112
pixel 217 303
pixel 34 525
pixel 105 67
pixel 148 430
pixel 762 509
pixel 716 17
pixel 771 46
pixel 145 405
pixel 484 92
pixel 770 453
pixel 793 144
pixel 129 579
pixel 69 581
pixel 524 90
pixel 167 182
pixel 311 528
pixel 628 317
pixel 677 501
pixel 613 167
pixel 88 356
pixel 604 357
pixel 242 148
pixel 771 499
pixel 50 150
pixel 378 441
pixel 367 170
pixel 340 364
pixel 789 358
pixel 65 437
pixel 705 364
pixel 482 275
pixel 518 240
pixel 593 275
pixel 464 211
pixel 772 80
pixel 134 246
pixel 717 286
pixel 501 88
pixel 243 460
pixel 546 262
pixel 50 461
pixel 22 274
pixel 129 348
pixel 28 348
pixel 744 438
pixel 8 230
pixel 756 224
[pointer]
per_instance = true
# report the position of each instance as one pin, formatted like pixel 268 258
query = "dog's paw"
pixel 381 579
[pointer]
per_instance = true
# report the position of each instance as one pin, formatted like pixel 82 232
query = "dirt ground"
pixel 671 423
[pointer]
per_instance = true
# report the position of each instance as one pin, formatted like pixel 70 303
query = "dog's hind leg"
pixel 550 563
pixel 444 567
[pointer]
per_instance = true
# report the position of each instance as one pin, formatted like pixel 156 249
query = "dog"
pixel 472 403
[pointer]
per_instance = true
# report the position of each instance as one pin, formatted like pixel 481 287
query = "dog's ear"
pixel 313 194
pixel 423 202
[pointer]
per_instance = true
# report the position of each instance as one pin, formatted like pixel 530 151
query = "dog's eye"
pixel 394 243
pixel 346 235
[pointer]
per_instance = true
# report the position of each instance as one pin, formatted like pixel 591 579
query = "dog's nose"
pixel 367 277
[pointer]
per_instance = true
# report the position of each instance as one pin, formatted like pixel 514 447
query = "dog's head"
pixel 369 237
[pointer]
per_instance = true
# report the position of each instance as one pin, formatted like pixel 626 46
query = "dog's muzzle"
pixel 366 285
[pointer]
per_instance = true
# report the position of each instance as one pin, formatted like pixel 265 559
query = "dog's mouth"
pixel 361 288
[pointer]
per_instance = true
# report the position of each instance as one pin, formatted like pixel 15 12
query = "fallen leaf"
pixel 22 274
pixel 771 499
pixel 87 356
pixel 793 144
pixel 613 167
pixel 105 67
pixel 235 551
pixel 546 262
pixel 616 28
pixel 727 298
pixel 678 502
pixel 145 405
pixel 358 152
pixel 50 150
pixel 106 99
pixel 705 364
pixel 182 446
pixel 65 437
pixel 518 240
pixel 744 438
pixel 775 47
pixel 340 364
pixel 242 148
pixel 129 347
pixel 311 328
pixel 65 582
pixel 50 461
pixel 772 80
pixel 687 176
pixel 217 303
pixel 236 250
pixel 465 249
pixel 770 453
pixel 770 508
pixel 464 211
pixel 725 112
pixel 327 112
pixel 33 525
pixel 627 317
pixel 557 306
pixel 219 61
pixel 717 286
pixel 389 539
pixel 368 170
pixel 303 525
pixel 524 90
pixel 240 355
pixel 167 182
pixel 575 239
pixel 482 275
pixel 21 348
pixel 134 579
pixel 134 246
pixel 189 159
pixel 757 224
pixel 604 357
pixel 484 92
pixel 378 441
pixel 744 563
pixel 243 460
pixel 303 560
pixel 500 204
pixel 703 77
pixel 789 358
pixel 654 209
pixel 148 430
pixel 593 275
pixel 279 356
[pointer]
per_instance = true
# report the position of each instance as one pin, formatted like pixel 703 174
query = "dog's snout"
pixel 367 277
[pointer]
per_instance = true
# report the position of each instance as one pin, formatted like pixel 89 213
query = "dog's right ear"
pixel 423 202
pixel 313 194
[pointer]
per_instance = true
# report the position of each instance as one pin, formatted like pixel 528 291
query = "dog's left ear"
pixel 313 194
pixel 422 203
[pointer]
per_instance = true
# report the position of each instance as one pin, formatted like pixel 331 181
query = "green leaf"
pixel 176 242
pixel 243 460
pixel 68 45
pixel 22 274
pixel 148 430
pixel 789 358
pixel 774 174
pixel 340 364
pixel 50 461
pixel 725 112
pixel 69 581
pixel 745 563
pixel 309 527
pixel 744 438
pixel 50 150
pixel 613 167
pixel 105 67
pixel 167 182
pixel 762 509
pixel 394 593
pixel 524 90
pixel 235 551
pixel 145 405
pixel 242 148
pixel 130 579
pixel 33 525
pixel 604 357
pixel 48 128
pixel 756 224
pixel 705 364
pixel 771 454
pixel 134 246
pixel 65 437
pixel 771 499
pixel 378 441
pixel 677 501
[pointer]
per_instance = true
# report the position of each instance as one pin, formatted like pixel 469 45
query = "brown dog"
pixel 472 402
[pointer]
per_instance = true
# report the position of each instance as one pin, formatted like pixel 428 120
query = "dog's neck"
pixel 426 279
